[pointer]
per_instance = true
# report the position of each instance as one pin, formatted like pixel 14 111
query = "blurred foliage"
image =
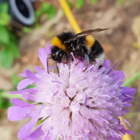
pixel 47 9
pixel 136 31
pixel 94 1
pixel 4 103
pixel 5 96
pixel 26 30
pixel 120 2
pixel 79 3
pixel 8 41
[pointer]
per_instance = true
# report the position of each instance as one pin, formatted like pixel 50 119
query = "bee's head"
pixel 57 54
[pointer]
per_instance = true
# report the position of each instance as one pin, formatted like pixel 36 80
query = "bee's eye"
pixel 57 53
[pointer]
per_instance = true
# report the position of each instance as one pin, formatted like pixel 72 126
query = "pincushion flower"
pixel 72 105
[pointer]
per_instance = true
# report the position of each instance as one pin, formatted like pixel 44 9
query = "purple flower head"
pixel 72 105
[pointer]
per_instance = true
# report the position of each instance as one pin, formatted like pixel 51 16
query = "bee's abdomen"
pixel 95 51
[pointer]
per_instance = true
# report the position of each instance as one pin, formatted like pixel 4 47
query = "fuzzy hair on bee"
pixel 83 45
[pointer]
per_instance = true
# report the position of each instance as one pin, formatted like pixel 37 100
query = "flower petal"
pixel 31 76
pixel 25 130
pixel 106 63
pixel 22 75
pixel 48 48
pixel 117 73
pixel 39 70
pixel 29 97
pixel 126 90
pixel 43 57
pixel 31 90
pixel 24 83
pixel 20 103
pixel 17 113
pixel 36 134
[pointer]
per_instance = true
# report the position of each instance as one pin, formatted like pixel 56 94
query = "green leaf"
pixel 37 25
pixel 132 79
pixel 51 13
pixel 14 79
pixel 69 4
pixel 94 1
pixel 45 7
pixel 4 36
pixel 30 86
pixel 4 102
pixel 14 49
pixel 26 30
pixel 12 37
pixel 4 19
pixel 6 57
pixel 120 2
pixel 79 4
pixel 4 7
pixel 38 13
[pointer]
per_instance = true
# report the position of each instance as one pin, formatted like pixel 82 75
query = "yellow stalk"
pixel 70 17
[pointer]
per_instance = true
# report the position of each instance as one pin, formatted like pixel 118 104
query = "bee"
pixel 83 46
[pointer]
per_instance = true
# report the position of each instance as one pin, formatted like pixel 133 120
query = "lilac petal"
pixel 117 73
pixel 24 83
pixel 22 75
pixel 39 70
pixel 120 83
pixel 48 48
pixel 31 90
pixel 128 99
pixel 124 131
pixel 106 63
pixel 17 113
pixel 52 67
pixel 127 122
pixel 55 93
pixel 20 103
pixel 85 101
pixel 29 97
pixel 125 111
pixel 31 76
pixel 43 57
pixel 25 130
pixel 36 134
pixel 127 105
pixel 126 90
pixel 112 68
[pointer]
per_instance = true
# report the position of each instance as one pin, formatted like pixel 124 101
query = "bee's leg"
pixel 87 62
pixel 47 65
pixel 78 61
pixel 57 69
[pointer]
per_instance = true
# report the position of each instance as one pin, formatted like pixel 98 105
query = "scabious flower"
pixel 72 105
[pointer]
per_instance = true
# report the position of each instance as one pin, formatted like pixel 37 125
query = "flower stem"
pixel 132 79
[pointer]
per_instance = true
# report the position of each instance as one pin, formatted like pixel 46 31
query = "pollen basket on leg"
pixel 57 42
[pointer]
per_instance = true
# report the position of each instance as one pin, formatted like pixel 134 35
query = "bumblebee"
pixel 83 45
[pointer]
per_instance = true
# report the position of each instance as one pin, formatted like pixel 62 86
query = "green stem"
pixel 132 79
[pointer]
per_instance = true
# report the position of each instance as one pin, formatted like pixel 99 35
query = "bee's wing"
pixel 84 33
